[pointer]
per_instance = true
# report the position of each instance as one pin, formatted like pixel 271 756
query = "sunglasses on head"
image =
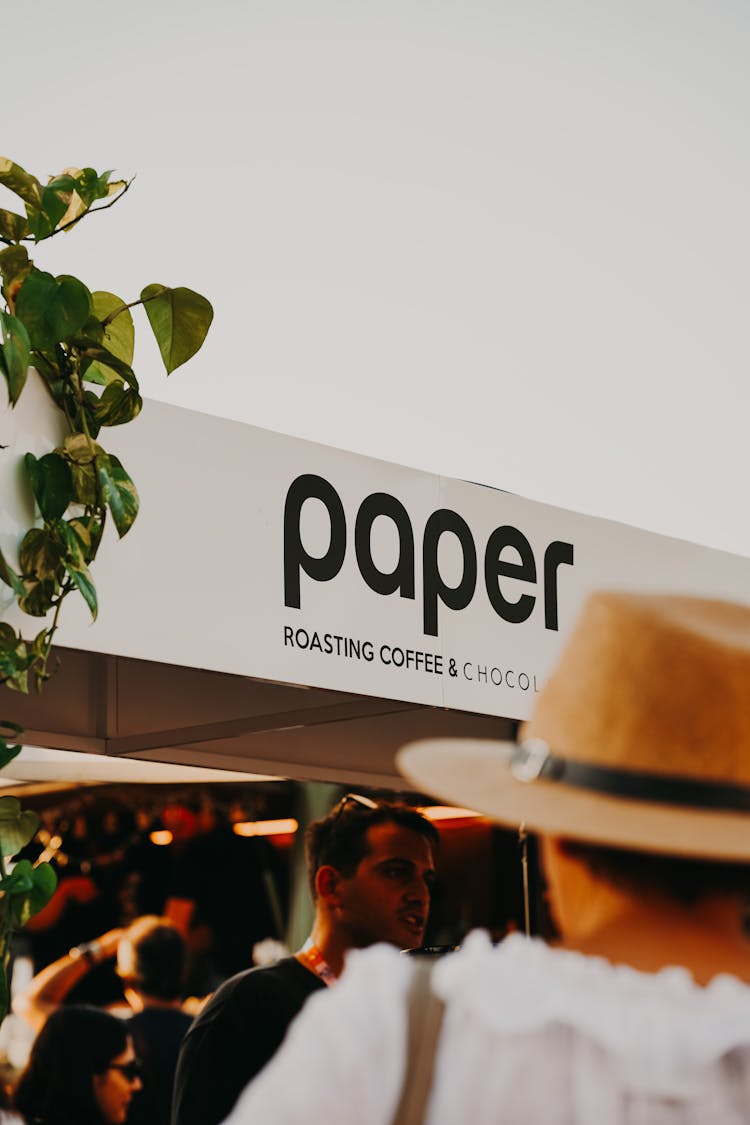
pixel 130 1070
pixel 353 800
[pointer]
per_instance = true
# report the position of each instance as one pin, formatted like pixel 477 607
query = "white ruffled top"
pixel 530 1035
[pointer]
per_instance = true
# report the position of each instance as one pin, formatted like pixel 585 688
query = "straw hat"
pixel 641 738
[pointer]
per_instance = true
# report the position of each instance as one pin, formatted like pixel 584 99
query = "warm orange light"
pixel 54 843
pixel 265 827
pixel 161 837
pixel 447 812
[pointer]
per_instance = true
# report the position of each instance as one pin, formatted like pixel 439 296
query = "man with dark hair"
pixel 151 962
pixel 371 869
pixel 151 965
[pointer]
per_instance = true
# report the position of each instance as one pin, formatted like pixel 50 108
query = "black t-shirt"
pixel 239 1030
pixel 157 1034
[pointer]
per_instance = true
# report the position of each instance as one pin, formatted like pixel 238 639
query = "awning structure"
pixel 288 609
pixel 121 707
pixel 41 770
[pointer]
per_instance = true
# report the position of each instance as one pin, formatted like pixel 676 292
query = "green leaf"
pixel 45 885
pixel 101 376
pixel 86 588
pixel 52 483
pixel 44 881
pixel 84 484
pixel 10 578
pixel 91 352
pixel 74 547
pixel 180 319
pixel 89 403
pixel 53 309
pixel 7 752
pixel 38 657
pixel 50 365
pixel 93 330
pixel 43 218
pixel 76 189
pixel 15 349
pixel 91 187
pixel 61 183
pixel 14 265
pixel 75 564
pixel 14 668
pixel 20 182
pixel 119 333
pixel 118 492
pixel 82 187
pixel 40 555
pixel 38 597
pixel 19 881
pixel 78 448
pixel 117 405
pixel 29 888
pixel 12 226
pixel 89 531
pixel 17 827
pixel 8 640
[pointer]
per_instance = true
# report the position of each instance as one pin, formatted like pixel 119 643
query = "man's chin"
pixel 409 938
pixel 405 937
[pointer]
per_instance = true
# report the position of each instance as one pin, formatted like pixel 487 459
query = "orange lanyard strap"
pixel 311 957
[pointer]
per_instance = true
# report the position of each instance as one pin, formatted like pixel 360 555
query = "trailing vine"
pixel 81 345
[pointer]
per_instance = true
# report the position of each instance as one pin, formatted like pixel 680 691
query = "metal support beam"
pixel 255 724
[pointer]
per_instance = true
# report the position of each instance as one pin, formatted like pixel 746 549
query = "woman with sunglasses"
pixel 82 1070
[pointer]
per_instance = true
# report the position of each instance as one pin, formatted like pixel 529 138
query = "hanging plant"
pixel 81 344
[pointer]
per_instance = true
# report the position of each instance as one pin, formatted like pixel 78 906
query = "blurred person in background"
pixel 82 1070
pixel 220 920
pixel 77 906
pixel 635 770
pixel 150 964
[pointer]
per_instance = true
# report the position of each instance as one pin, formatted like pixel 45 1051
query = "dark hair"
pixel 158 963
pixel 57 1086
pixel 340 838
pixel 683 879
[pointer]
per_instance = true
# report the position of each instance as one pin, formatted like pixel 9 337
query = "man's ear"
pixel 327 881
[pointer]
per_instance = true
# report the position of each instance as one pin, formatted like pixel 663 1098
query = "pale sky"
pixel 503 241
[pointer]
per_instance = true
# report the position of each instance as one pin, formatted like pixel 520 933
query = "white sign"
pixel 267 556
